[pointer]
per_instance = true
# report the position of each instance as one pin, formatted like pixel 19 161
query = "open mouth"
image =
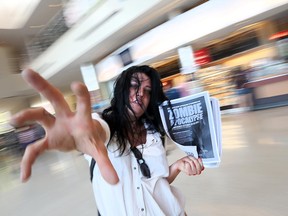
pixel 139 102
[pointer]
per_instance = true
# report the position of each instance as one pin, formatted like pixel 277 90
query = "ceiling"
pixel 46 9
pixel 142 24
pixel 42 13
pixel 16 33
pixel 29 23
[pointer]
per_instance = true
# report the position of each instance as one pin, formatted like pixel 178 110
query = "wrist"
pixel 175 168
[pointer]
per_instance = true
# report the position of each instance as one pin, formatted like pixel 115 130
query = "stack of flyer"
pixel 194 124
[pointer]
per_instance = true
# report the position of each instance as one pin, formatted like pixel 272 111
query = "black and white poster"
pixel 189 122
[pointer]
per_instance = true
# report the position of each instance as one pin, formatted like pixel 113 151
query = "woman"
pixel 131 171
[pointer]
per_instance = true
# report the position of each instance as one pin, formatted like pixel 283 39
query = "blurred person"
pixel 240 78
pixel 131 169
pixel 171 92
pixel 191 86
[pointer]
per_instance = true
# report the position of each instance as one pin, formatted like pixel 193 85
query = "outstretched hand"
pixel 66 130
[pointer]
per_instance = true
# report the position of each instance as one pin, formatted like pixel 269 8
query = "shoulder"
pixel 97 117
pixel 103 124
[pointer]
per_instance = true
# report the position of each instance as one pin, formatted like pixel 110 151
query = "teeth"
pixel 136 101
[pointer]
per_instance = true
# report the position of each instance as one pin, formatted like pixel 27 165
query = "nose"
pixel 140 92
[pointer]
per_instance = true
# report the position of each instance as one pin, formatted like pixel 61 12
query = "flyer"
pixel 194 124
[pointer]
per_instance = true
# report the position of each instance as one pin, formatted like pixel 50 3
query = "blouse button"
pixel 142 209
pixel 138 188
pixel 134 168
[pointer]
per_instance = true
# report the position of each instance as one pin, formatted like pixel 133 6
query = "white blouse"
pixel 135 194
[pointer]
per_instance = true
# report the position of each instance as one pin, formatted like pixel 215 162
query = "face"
pixel 140 91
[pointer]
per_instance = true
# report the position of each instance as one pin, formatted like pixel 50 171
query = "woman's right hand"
pixel 66 130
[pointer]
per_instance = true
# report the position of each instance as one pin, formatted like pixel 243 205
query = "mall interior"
pixel 237 51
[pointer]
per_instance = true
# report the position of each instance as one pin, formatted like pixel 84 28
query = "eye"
pixel 148 90
pixel 134 85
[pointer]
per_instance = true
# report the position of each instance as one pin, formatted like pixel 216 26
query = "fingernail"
pixel 23 177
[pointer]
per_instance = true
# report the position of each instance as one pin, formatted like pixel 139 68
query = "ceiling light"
pixel 55 5
pixel 36 26
pixel 18 12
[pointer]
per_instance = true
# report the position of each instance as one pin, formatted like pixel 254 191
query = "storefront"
pixel 249 48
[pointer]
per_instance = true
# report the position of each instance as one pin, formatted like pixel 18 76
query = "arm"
pixel 189 165
pixel 67 130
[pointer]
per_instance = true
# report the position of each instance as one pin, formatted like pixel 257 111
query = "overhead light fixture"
pixel 36 26
pixel 55 5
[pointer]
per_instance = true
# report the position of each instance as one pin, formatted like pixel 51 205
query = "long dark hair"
pixel 117 115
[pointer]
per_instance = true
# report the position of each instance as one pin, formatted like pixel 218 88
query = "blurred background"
pixel 235 50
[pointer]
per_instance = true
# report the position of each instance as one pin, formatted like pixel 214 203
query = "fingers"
pixel 201 163
pixel 83 99
pixel 192 166
pixel 47 90
pixel 32 151
pixel 32 115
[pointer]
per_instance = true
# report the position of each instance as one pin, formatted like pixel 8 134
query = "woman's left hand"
pixel 190 165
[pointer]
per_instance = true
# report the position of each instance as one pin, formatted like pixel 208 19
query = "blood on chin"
pixel 138 109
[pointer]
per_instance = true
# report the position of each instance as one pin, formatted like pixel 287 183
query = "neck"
pixel 137 136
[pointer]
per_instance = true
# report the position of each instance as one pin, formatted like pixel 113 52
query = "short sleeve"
pixel 104 124
pixel 106 128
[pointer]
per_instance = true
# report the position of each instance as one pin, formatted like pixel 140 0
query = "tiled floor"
pixel 252 179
